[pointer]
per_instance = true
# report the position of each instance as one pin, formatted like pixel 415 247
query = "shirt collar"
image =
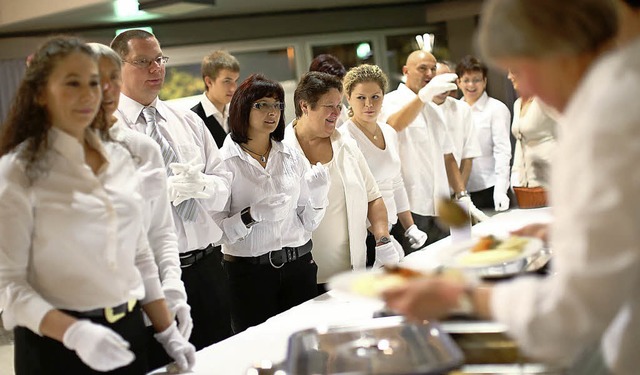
pixel 234 150
pixel 131 110
pixel 405 90
pixel 69 147
pixel 481 103
pixel 210 109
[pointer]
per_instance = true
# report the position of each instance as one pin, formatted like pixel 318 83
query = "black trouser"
pixel 428 225
pixel 483 199
pixel 208 296
pixel 37 355
pixel 260 291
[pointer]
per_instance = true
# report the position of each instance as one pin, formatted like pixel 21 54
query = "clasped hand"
pixel 187 182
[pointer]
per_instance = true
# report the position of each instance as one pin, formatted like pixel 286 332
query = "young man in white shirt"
pixel 220 73
pixel 194 191
pixel 489 179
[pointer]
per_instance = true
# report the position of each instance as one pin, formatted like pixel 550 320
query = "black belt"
pixel 190 257
pixel 110 314
pixel 276 258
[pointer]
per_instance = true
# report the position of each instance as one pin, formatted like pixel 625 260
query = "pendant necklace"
pixel 263 157
pixel 374 135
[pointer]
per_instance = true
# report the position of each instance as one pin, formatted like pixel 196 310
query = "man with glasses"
pixel 220 73
pixel 426 150
pixel 190 156
pixel 489 178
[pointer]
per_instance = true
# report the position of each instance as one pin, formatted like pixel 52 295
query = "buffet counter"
pixel 268 341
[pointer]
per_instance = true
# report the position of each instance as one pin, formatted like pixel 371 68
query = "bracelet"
pixel 461 194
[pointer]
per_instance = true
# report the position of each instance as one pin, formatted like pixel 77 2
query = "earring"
pixel 350 112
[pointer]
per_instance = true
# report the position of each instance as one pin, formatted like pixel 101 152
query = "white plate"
pixel 364 283
pixel 451 256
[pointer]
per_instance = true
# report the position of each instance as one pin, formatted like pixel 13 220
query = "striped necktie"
pixel 186 209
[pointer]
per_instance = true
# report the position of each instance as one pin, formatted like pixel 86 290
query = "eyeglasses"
pixel 268 107
pixel 475 81
pixel 146 63
pixel 332 108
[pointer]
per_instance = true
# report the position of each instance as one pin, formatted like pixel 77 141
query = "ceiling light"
pixel 173 7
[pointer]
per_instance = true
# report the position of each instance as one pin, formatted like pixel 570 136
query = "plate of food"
pixel 492 256
pixel 371 283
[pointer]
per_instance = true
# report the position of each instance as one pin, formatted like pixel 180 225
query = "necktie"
pixel 186 209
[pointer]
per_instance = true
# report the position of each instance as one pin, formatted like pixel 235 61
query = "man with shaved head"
pixel 426 150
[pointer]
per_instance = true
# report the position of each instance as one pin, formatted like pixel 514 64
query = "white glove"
pixel 177 347
pixel 272 208
pixel 500 201
pixel 386 254
pixel 473 210
pixel 187 182
pixel 438 85
pixel 98 347
pixel 398 248
pixel 177 303
pixel 318 182
pixel 416 237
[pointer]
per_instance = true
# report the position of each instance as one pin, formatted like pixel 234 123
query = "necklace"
pixel 374 135
pixel 263 157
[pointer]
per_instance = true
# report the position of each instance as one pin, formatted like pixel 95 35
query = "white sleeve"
pixel 22 305
pixel 148 270
pixel 309 216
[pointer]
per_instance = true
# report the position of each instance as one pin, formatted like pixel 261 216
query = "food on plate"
pixel 490 250
pixel 372 284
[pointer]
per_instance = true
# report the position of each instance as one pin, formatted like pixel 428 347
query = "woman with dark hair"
pixel 355 202
pixel 76 266
pixel 276 201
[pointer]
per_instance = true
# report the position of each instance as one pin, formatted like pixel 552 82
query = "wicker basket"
pixel 530 197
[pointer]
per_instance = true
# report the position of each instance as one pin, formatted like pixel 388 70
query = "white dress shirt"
pixel 384 165
pixel 158 220
pixel 212 110
pixel 492 121
pixel 459 123
pixel 422 145
pixel 535 134
pixel 192 143
pixel 72 239
pixel 360 188
pixel 284 173
pixel 595 236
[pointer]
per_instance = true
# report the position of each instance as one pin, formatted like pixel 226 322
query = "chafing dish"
pixel 489 350
pixel 378 346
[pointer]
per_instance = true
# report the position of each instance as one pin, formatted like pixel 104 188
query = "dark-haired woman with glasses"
pixel 276 202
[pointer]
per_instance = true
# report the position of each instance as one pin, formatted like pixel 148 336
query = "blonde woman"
pixel 364 87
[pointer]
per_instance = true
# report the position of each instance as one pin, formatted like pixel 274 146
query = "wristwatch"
pixel 383 241
pixel 461 194
pixel 247 220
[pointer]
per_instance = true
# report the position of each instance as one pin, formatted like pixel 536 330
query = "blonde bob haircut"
pixel 364 73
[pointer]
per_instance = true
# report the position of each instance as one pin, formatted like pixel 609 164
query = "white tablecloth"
pixel 268 341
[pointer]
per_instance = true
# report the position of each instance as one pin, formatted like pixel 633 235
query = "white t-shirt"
pixel 385 166
pixel 331 238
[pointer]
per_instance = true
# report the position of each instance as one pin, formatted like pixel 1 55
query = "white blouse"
pixel 72 239
pixel 250 183
pixel 384 165
pixel 535 133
